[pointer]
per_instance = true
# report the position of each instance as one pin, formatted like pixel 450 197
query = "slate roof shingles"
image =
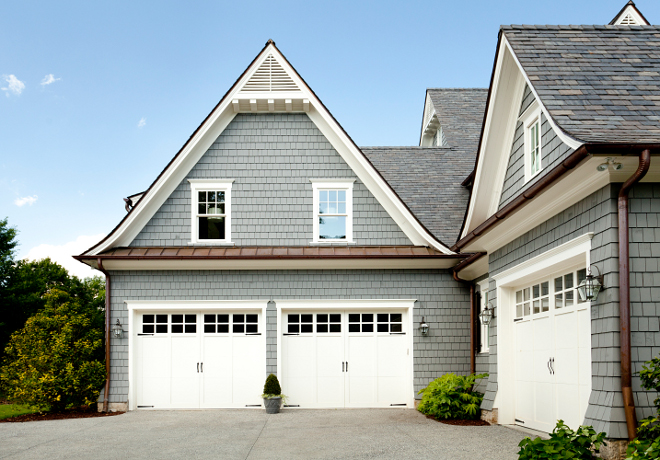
pixel 461 114
pixel 428 180
pixel 599 83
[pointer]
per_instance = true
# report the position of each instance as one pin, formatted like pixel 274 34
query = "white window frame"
pixel 222 185
pixel 333 184
pixel 530 118
pixel 484 347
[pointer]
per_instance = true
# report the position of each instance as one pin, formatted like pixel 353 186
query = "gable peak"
pixel 629 16
pixel 270 76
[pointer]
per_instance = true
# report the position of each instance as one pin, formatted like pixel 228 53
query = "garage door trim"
pixel 137 307
pixel 350 304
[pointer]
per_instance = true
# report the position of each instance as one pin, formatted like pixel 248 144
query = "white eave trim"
pixel 215 125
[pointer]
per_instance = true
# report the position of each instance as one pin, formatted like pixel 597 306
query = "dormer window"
pixel 531 120
pixel 437 138
pixel 333 210
pixel 210 211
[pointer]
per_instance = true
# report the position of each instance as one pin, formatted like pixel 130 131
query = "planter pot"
pixel 272 405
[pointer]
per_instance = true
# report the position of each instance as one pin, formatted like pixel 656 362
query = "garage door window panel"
pixel 361 322
pixel 245 324
pixel 389 322
pixel 216 324
pixel 328 323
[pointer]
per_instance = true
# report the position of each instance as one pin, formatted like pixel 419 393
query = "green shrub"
pixel 451 397
pixel 50 364
pixel 647 443
pixel 272 387
pixel 564 443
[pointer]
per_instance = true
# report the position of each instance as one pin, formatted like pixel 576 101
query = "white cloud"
pixel 26 200
pixel 62 255
pixel 48 79
pixel 142 122
pixel 14 86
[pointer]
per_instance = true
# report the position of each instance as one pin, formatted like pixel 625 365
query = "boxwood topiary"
pixel 272 387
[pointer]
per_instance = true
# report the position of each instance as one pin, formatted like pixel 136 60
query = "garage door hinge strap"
pixel 392 405
pixel 292 405
pixel 519 421
pixel 291 334
pixel 145 334
pixel 397 333
pixel 143 407
pixel 253 405
pixel 253 333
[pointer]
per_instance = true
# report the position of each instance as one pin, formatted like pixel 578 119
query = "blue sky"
pixel 98 96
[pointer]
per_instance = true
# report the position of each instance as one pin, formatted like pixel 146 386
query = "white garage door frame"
pixel 567 255
pixel 360 305
pixel 137 307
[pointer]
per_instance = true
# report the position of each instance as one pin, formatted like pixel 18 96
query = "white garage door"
pixel 188 360
pixel 346 359
pixel 553 353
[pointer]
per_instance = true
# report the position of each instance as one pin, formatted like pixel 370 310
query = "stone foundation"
pixel 489 416
pixel 114 407
pixel 614 449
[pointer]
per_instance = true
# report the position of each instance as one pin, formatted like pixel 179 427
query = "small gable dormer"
pixel 432 133
pixel 629 16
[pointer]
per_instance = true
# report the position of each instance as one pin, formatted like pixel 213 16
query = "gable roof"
pixel 598 83
pixel 460 112
pixel 428 180
pixel 269 84
pixel 629 13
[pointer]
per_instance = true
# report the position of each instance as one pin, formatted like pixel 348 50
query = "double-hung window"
pixel 210 211
pixel 333 210
pixel 531 120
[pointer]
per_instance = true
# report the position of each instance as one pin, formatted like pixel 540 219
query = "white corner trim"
pixel 550 258
pixel 568 140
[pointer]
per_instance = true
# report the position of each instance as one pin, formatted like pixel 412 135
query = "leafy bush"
pixel 564 443
pixel 647 443
pixel 272 387
pixel 50 364
pixel 451 397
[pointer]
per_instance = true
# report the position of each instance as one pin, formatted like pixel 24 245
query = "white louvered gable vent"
pixel 628 20
pixel 270 77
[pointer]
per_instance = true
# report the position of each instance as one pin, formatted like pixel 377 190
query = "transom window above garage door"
pixel 176 323
pixel 236 323
pixel 328 323
pixel 555 293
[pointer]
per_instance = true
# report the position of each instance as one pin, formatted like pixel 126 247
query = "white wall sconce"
pixel 589 288
pixel 424 328
pixel 487 314
pixel 117 331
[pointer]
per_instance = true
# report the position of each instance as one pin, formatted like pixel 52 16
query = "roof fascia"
pixel 214 125
pixel 565 138
pixel 506 88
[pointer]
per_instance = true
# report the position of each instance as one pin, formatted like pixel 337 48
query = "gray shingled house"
pixel 272 243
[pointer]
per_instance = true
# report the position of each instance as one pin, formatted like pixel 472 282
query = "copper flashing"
pixel 271 252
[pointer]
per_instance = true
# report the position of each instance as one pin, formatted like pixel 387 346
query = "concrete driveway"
pixel 251 434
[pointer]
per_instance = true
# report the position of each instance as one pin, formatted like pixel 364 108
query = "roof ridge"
pixel 574 27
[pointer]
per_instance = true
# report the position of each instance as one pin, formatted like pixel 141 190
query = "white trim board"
pixel 509 81
pixel 216 123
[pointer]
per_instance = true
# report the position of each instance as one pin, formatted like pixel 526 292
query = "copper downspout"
pixel 106 391
pixel 473 329
pixel 624 294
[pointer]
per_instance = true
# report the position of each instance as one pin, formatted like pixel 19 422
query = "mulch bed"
pixel 80 412
pixel 460 422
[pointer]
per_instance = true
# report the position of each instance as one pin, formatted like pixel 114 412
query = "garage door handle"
pixel 144 334
pixel 198 368
pixel 202 367
pixel 342 366
pixel 548 366
pixel 346 366
pixel 552 365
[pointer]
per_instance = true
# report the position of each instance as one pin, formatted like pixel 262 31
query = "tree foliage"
pixel 647 443
pixel 564 443
pixel 452 397
pixel 52 362
pixel 29 281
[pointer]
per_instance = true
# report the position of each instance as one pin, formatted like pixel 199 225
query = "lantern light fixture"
pixel 487 314
pixel 117 331
pixel 424 327
pixel 589 288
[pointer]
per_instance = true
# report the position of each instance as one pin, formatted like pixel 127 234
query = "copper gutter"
pixel 106 391
pixel 473 314
pixel 624 294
